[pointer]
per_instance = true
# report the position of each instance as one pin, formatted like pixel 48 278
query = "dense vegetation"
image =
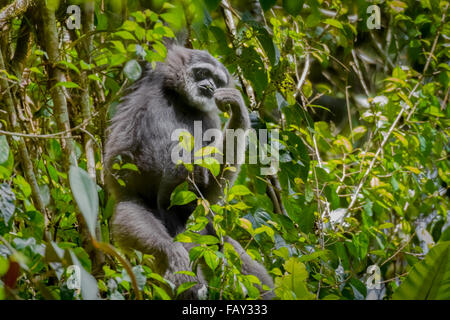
pixel 358 208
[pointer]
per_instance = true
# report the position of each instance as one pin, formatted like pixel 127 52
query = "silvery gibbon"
pixel 189 86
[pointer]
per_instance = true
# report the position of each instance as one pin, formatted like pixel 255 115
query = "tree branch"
pixel 394 124
pixel 15 9
pixel 23 151
pixel 55 75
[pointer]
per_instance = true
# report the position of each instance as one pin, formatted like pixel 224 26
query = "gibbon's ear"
pixel 169 42
pixel 181 39
pixel 177 60
pixel 178 57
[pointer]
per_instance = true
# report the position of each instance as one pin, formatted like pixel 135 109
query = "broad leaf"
pixel 429 279
pixel 181 198
pixel 4 149
pixel 7 198
pixel 293 7
pixel 84 191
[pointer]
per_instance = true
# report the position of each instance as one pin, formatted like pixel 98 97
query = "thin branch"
pixel 84 50
pixel 399 250
pixel 273 197
pixel 23 150
pixel 305 72
pixel 394 124
pixel 227 11
pixel 274 189
pixel 14 10
pixel 55 75
pixel 358 72
pixel 349 114
pixel 57 135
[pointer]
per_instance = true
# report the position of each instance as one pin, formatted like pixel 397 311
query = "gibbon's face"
pixel 203 78
pixel 196 75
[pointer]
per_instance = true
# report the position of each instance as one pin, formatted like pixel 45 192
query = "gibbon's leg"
pixel 250 266
pixel 135 226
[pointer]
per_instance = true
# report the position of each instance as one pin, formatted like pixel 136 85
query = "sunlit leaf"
pixel 4 149
pixel 430 278
pixel 84 191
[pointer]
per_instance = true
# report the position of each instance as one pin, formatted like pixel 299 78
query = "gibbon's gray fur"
pixel 189 86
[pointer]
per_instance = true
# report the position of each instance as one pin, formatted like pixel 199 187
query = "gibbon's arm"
pixel 232 144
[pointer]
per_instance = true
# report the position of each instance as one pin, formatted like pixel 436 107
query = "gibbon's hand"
pixel 228 97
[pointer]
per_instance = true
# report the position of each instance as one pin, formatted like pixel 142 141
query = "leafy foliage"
pixel 363 143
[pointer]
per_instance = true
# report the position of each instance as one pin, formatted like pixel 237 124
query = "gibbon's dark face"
pixel 198 76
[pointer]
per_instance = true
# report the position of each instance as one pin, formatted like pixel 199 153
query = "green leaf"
pixel 7 198
pixel 160 292
pixel 4 149
pixel 89 288
pixel 269 47
pixel 94 77
pixel 139 16
pixel 186 140
pixel 207 239
pixel 358 132
pixel 254 69
pixel 334 23
pixel 70 66
pixel 429 279
pixel 293 7
pixel 119 46
pixel 185 286
pixel 4 264
pixel 293 284
pixel 187 237
pixel 132 70
pixel 125 35
pixel 267 4
pixel 67 84
pixel 85 193
pixel 240 190
pixel 130 166
pixel 206 151
pixel 129 25
pixel 209 163
pixel 181 198
pixel 23 185
pixel 211 259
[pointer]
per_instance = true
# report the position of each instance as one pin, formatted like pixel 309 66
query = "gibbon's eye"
pixel 219 82
pixel 202 73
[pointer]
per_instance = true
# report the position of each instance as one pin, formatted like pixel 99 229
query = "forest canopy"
pixel 357 90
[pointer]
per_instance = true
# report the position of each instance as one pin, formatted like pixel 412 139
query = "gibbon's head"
pixel 195 75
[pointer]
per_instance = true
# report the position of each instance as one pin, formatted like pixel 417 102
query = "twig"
pixel 58 135
pixel 347 102
pixel 444 103
pixel 393 279
pixel 23 150
pixel 380 50
pixel 14 10
pixel 399 250
pixel 55 75
pixel 274 190
pixel 305 72
pixel 394 124
pixel 232 28
pixel 358 72
pixel 273 197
